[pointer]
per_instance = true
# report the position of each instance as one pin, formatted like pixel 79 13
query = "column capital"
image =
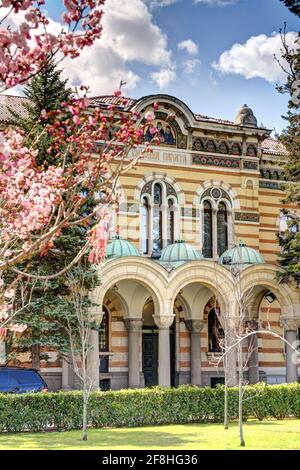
pixel 96 314
pixel 133 324
pixel 164 321
pixel 194 326
pixel 290 324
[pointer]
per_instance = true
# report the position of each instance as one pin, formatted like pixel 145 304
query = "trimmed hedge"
pixel 156 406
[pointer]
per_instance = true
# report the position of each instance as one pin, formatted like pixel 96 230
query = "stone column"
pixel 231 358
pixel 67 381
pixel 214 233
pixel 253 363
pixel 134 327
pixel 195 327
pixel 164 361
pixel 93 361
pixel 290 332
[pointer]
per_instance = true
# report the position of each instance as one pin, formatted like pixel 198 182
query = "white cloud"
pixel 165 3
pixel 164 77
pixel 189 46
pixel 129 36
pixel 218 3
pixel 255 58
pixel 191 65
pixel 161 3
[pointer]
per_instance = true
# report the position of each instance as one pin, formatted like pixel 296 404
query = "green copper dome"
pixel 240 257
pixel 117 248
pixel 179 253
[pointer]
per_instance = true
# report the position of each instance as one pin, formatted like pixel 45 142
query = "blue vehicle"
pixel 20 380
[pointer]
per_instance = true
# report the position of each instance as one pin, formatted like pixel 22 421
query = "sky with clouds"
pixel 215 55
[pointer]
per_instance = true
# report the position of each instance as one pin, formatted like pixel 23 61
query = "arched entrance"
pixel 270 307
pixel 150 335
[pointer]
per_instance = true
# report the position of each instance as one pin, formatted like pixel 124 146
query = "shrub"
pixel 156 406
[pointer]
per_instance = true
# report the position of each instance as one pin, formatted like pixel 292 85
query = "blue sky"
pixel 228 60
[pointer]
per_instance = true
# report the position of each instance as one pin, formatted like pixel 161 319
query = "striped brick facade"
pixel 245 164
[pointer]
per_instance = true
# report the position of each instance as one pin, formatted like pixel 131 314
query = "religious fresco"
pixel 169 131
pixel 165 133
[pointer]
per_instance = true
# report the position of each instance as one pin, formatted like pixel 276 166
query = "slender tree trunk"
pixel 225 365
pixel 225 406
pixel 84 412
pixel 241 429
pixel 35 356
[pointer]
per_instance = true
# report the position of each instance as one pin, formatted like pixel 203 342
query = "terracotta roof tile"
pixel 272 146
pixel 201 117
pixel 107 100
pixel 13 102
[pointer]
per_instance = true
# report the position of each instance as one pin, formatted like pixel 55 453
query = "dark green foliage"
pixel 50 306
pixel 147 407
pixel 289 257
pixel 293 5
pixel 51 313
pixel 46 91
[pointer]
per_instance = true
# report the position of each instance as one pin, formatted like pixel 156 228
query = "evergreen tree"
pixel 289 258
pixel 293 5
pixel 49 309
pixel 45 92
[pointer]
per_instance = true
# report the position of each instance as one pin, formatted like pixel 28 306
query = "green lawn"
pixel 267 435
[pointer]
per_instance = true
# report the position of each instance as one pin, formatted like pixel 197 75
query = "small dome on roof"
pixel 118 248
pixel 246 117
pixel 241 256
pixel 179 253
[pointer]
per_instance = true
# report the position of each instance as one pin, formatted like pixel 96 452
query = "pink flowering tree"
pixel 92 147
pixel 26 44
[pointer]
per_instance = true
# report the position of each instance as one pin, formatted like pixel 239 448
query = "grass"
pixel 273 435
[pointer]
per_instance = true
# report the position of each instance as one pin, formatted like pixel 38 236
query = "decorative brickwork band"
pixel 246 217
pixel 215 161
pixel 250 165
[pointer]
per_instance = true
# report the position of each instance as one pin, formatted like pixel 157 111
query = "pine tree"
pixel 45 92
pixel 49 309
pixel 293 5
pixel 289 258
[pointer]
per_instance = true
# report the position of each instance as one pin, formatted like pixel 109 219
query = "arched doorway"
pixel 150 347
pixel 215 333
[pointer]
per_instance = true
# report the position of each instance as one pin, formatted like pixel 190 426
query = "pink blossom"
pixel 149 116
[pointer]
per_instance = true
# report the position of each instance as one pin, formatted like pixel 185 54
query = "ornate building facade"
pixel 202 207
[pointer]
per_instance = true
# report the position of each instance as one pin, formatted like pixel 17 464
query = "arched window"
pixel 170 221
pixel 236 149
pixel 267 174
pixel 223 147
pixel 215 333
pixel 216 222
pixel 222 228
pixel 103 332
pixel 275 175
pixel 157 217
pixel 251 151
pixel 145 225
pixel 207 231
pixel 210 146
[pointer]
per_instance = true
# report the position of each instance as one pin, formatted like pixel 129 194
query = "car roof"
pixel 17 368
